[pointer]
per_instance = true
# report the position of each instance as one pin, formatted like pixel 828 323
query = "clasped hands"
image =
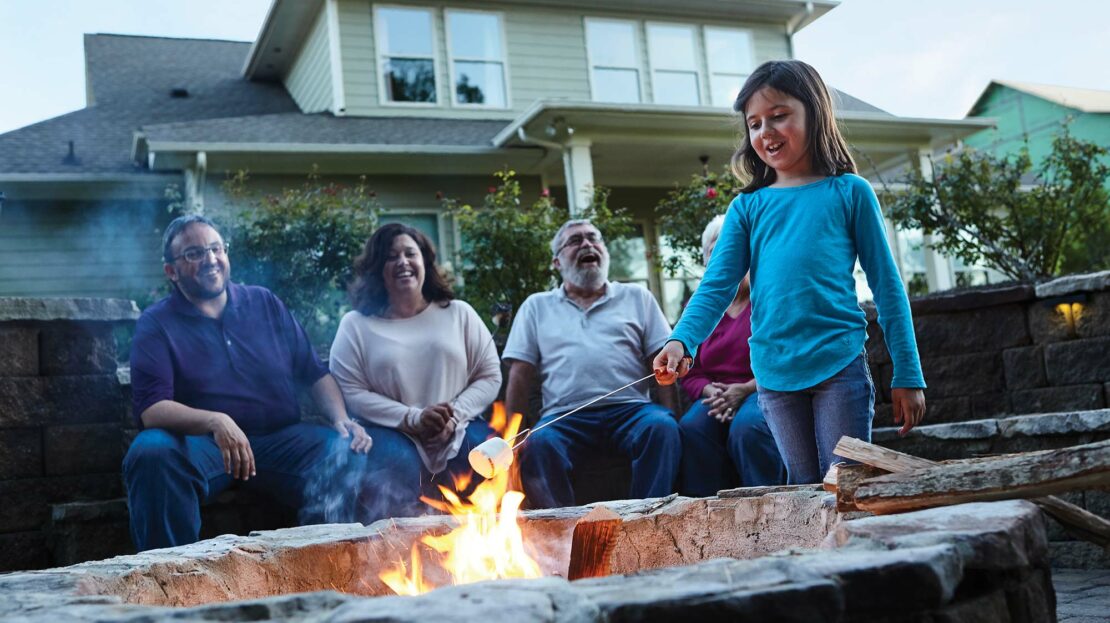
pixel 724 399
pixel 436 424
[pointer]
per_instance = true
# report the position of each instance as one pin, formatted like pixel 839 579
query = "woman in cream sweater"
pixel 417 366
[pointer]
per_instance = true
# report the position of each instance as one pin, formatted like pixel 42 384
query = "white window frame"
pixel 698 77
pixel 709 60
pixel 504 60
pixel 444 240
pixel 637 32
pixel 380 55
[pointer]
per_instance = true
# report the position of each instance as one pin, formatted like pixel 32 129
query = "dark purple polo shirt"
pixel 247 364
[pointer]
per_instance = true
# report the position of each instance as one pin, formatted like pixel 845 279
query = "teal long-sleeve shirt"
pixel 801 245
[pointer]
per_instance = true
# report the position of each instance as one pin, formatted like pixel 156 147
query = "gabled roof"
pixel 1083 100
pixel 129 83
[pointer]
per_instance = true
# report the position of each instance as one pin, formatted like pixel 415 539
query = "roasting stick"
pixel 495 455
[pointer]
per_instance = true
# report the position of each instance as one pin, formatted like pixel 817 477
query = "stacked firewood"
pixel 886 481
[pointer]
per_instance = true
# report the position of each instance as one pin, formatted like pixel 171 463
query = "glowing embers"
pixel 487 544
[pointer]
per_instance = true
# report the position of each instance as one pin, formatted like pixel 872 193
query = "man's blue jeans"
pixel 396 477
pixel 808 423
pixel 644 432
pixel 740 453
pixel 168 477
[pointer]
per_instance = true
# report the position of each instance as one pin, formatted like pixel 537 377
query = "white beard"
pixel 587 278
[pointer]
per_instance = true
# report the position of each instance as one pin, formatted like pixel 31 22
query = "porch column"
pixel 578 169
pixel 194 184
pixel 938 268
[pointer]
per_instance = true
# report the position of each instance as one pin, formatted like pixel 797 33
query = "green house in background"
pixel 1033 114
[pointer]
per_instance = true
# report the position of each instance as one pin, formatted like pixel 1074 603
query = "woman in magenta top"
pixel 725 440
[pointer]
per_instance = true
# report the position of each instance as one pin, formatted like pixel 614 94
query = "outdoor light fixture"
pixel 1070 309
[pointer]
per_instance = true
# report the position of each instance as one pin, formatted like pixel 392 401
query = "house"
pixel 1033 114
pixel 422 97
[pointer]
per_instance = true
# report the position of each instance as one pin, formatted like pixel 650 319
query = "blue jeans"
pixel 718 456
pixel 808 423
pixel 644 432
pixel 168 477
pixel 397 477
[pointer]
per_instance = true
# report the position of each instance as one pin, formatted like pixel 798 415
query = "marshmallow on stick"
pixel 491 457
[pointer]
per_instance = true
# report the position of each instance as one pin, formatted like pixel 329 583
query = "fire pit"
pixel 783 555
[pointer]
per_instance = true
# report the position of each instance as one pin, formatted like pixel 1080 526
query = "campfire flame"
pixel 487 544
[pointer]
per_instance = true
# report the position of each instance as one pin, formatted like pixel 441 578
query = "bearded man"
pixel 583 339
pixel 215 368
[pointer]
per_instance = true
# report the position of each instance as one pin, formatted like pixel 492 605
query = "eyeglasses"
pixel 577 239
pixel 195 255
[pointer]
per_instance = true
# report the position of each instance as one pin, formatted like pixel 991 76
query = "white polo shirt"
pixel 582 354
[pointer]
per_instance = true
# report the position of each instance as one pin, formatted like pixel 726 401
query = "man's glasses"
pixel 577 239
pixel 195 255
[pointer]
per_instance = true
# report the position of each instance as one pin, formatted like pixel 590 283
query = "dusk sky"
pixel 911 58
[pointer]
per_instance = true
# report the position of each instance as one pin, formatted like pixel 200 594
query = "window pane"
pixel 475 35
pixel 479 83
pixel 628 257
pixel 729 50
pixel 621 86
pixel 410 80
pixel 611 44
pixel 676 88
pixel 427 224
pixel 676 293
pixel 671 47
pixel 406 32
pixel 725 88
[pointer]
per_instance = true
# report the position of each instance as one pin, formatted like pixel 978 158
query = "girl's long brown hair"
pixel 367 291
pixel 827 148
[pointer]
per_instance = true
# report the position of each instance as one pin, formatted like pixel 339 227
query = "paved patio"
pixel 1082 595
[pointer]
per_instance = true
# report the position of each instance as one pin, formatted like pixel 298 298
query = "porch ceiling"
pixel 638 145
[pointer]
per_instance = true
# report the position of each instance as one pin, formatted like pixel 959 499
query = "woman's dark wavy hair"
pixel 367 291
pixel 827 147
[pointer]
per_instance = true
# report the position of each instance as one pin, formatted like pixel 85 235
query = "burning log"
pixel 986 478
pixel 592 544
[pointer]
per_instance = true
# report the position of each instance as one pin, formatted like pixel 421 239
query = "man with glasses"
pixel 584 339
pixel 215 369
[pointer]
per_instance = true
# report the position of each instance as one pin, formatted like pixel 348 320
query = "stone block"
pixel 84 399
pixel 1078 555
pixel 963 375
pixel 977 330
pixel 21 551
pixel 20 453
pixel 884 416
pixel 1089 282
pixel 19 351
pixel 1024 367
pixel 876 344
pixel 1032 599
pixel 38 401
pixel 977 609
pixel 971 298
pixel 1078 361
pixel 1046 325
pixel 942 410
pixel 936 449
pixel 989 405
pixel 82 449
pixel 82 531
pixel 1053 399
pixel 881 376
pixel 77 348
pixel 1094 319
pixel 22 401
pixel 27 501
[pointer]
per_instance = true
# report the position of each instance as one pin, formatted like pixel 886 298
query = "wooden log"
pixel 848 478
pixel 1077 521
pixel 592 543
pixel 754 492
pixel 1029 475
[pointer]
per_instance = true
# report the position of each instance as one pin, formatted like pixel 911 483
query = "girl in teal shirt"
pixel 799 225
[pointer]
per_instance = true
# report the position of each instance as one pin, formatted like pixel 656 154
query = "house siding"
pixel 546 52
pixel 309 79
pixel 1021 117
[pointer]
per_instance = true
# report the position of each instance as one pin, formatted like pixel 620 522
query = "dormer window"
pixel 475 42
pixel 406 52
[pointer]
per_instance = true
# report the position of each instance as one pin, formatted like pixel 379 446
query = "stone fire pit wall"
pixel 785 556
pixel 61 438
